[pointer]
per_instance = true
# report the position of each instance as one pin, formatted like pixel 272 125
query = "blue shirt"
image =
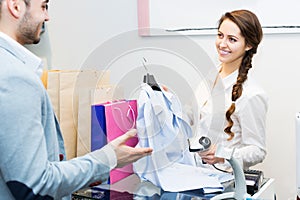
pixel 30 136
pixel 161 127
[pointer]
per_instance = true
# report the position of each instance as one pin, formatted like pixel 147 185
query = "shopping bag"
pixel 63 87
pixel 110 120
pixel 85 100
pixel 51 82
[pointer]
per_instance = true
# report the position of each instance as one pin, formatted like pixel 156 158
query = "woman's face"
pixel 230 44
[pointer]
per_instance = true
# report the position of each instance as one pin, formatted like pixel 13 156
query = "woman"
pixel 245 108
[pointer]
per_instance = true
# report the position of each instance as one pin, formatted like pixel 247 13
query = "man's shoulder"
pixel 13 71
pixel 8 60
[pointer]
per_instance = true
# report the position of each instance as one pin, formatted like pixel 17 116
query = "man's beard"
pixel 28 30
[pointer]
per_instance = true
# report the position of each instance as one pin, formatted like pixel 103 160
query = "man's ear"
pixel 14 7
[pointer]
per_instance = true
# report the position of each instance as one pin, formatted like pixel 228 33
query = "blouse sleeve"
pixel 252 119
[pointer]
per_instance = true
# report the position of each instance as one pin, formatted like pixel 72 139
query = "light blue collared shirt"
pixel 32 60
pixel 161 127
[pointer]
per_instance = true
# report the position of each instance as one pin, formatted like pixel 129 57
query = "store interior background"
pixel 76 28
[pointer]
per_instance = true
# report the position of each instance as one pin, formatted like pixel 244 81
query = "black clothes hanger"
pixel 149 79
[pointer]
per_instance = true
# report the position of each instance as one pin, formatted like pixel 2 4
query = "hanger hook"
pixel 144 63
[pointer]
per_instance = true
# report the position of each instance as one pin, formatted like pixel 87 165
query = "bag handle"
pixel 131 120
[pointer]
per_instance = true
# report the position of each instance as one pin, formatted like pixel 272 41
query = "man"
pixel 30 139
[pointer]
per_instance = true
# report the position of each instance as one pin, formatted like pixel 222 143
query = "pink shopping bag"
pixel 110 120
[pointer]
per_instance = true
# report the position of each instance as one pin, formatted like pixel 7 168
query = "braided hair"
pixel 251 30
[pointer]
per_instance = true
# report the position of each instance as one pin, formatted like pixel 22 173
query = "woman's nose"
pixel 223 43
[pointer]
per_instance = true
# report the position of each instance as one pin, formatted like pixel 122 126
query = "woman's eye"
pixel 220 35
pixel 232 40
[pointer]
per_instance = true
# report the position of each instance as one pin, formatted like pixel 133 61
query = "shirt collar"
pixel 169 98
pixel 23 54
pixel 229 80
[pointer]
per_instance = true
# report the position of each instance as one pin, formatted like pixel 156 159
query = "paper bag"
pixel 51 83
pixel 86 99
pixel 63 87
pixel 110 120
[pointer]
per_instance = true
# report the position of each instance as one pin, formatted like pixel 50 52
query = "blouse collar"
pixel 229 80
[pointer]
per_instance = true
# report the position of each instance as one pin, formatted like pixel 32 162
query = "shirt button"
pixel 61 157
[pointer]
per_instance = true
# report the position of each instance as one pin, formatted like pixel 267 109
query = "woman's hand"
pixel 165 88
pixel 209 156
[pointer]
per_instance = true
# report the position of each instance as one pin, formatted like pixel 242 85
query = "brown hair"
pixel 251 30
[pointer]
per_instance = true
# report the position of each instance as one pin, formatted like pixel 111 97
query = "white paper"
pixel 179 177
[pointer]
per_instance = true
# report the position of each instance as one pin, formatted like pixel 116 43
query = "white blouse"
pixel 249 117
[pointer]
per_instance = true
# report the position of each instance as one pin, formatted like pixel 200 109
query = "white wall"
pixel 76 28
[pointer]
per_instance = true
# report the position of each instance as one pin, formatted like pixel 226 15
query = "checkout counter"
pixel 132 188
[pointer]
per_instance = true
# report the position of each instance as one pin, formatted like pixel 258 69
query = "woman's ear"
pixel 248 47
pixel 15 7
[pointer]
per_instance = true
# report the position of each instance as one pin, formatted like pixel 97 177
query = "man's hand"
pixel 126 154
